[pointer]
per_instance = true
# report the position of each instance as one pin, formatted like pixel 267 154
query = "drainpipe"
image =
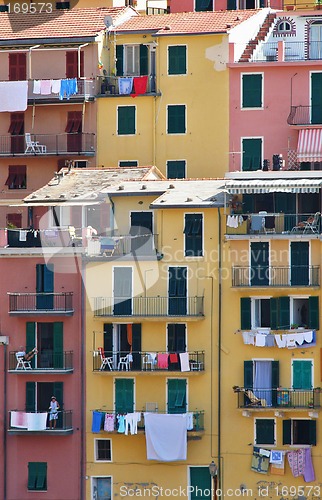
pixel 29 58
pixel 78 59
pixel 4 342
pixel 220 485
pixel 83 382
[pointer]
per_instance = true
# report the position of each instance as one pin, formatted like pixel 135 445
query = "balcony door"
pixel 315 45
pixel 316 98
pixel 141 233
pixel 122 339
pixel 48 339
pixel 300 263
pixel 45 286
pixel 259 272
pixel 38 397
pixel 74 131
pixel 177 298
pixel 262 376
pixel 122 291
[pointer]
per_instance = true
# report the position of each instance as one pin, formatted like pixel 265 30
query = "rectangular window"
pixel 37 476
pixel 203 5
pixel 193 235
pixel 103 450
pixel 17 177
pixel 265 431
pixel 102 488
pixel 252 154
pixel 17 130
pixel 126 120
pixel 177 395
pixel 299 432
pixel 132 60
pixel 14 220
pixel 176 169
pixel 45 286
pixel 252 91
pixel 124 395
pixel 128 163
pixel 17 66
pixel 177 60
pixel 72 64
pixel 176 119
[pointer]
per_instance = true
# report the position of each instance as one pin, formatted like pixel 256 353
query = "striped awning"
pixel 309 146
pixel 261 186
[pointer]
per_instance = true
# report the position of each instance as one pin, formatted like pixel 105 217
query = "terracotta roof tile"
pixel 57 24
pixel 187 22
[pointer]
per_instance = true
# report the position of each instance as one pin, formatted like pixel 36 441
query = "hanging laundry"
pixel 189 421
pixel 248 338
pixel 36 88
pixel 184 361
pixel 131 422
pixel 97 421
pixel 276 457
pixel 277 461
pixel 55 86
pixel 13 96
pixel 260 340
pixel 163 360
pixel 121 424
pixel 18 419
pixel 166 436
pixel 309 474
pixel 139 85
pixel 269 341
pixel 36 421
pixel 280 340
pixel 260 463
pixel 125 85
pixel 173 357
pixel 45 87
pixel 109 422
pixel 296 460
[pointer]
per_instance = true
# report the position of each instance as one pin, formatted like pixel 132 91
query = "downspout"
pixel 78 59
pixel 29 59
pixel 112 217
pixel 5 423
pixel 220 486
pixel 83 382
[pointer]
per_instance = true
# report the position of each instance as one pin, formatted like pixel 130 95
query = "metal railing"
pixel 24 421
pixel 305 115
pixel 279 276
pixel 49 144
pixel 274 223
pixel 290 51
pixel 147 361
pixel 278 398
pixel 44 302
pixel 149 306
pixel 44 360
pixel 86 89
pixel 110 85
pixel 197 419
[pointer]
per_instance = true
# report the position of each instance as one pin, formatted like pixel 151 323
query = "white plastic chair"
pixel 22 363
pixel 147 361
pixel 104 360
pixel 33 146
pixel 124 362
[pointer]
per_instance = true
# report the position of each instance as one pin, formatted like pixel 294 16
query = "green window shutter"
pixel 248 203
pixel 48 278
pixel 302 374
pixel 312 432
pixel 176 169
pixel 143 59
pixel 284 312
pixel 275 380
pixel 203 5
pixel 126 120
pixel 252 154
pixel 245 313
pixel 119 60
pixel 136 346
pixel 274 313
pixel 252 91
pixel 128 163
pixel 58 392
pixel 39 278
pixel 124 395
pixel 58 344
pixel 314 313
pixel 30 396
pixel 177 390
pixel 193 235
pixel 31 339
pixel 287 431
pixel 231 5
pixel 177 60
pixel 41 481
pixel 265 431
pixel 108 339
pixel 248 374
pixel 200 480
pixel 176 119
pixel 32 475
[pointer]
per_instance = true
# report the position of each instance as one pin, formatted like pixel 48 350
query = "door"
pixel 315 38
pixel 17 130
pixel 74 131
pixel 50 345
pixel 45 286
pixel 200 482
pixel 302 374
pixel 316 98
pixel 177 299
pixel 122 291
pixel 141 232
pixel 124 395
pixel 259 272
pixel 176 343
pixel 300 263
pixel 286 204
pixel 177 395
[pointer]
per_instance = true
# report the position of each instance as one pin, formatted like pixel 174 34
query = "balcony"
pixel 305 115
pixel 272 224
pixel 44 362
pixel 49 145
pixel 86 91
pixel 149 307
pixel 283 276
pixel 287 51
pixel 280 398
pixel 148 362
pixel 197 416
pixel 37 422
pixel 110 86
pixel 41 303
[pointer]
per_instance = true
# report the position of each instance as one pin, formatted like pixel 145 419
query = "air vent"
pixel 81 164
pixel 62 5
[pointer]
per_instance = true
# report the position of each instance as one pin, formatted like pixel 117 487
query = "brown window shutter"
pixel 18 66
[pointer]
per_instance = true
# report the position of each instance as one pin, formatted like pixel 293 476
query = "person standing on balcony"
pixel 53 412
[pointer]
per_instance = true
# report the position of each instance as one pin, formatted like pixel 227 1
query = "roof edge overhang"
pixel 29 42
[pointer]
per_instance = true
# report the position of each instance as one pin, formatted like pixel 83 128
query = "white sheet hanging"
pixel 166 436
pixel 13 96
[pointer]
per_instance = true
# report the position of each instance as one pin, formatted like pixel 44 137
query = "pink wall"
pixel 62 453
pixel 271 121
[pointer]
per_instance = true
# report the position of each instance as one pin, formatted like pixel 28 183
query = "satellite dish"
pixel 108 21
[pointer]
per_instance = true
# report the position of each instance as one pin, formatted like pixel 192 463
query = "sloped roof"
pixel 74 23
pixel 187 22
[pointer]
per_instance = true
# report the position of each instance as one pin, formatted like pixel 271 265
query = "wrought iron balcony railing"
pixel 22 422
pixel 149 306
pixel 305 115
pixel 48 303
pixel 86 90
pixel 149 361
pixel 278 398
pixel 110 85
pixel 279 276
pixel 44 361
pixel 48 144
pixel 274 223
pixel 197 418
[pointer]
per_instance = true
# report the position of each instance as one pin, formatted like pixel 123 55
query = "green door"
pixel 302 374
pixel 200 483
pixel 124 395
pixel 252 154
pixel 300 263
pixel 316 98
pixel 285 203
pixel 259 272
pixel 177 395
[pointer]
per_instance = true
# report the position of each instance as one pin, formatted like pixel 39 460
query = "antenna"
pixel 108 21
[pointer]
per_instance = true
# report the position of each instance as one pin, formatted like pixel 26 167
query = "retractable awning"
pixel 309 146
pixel 257 186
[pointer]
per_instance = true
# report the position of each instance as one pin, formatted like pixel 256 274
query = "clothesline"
pixel 64 87
pixel 291 340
